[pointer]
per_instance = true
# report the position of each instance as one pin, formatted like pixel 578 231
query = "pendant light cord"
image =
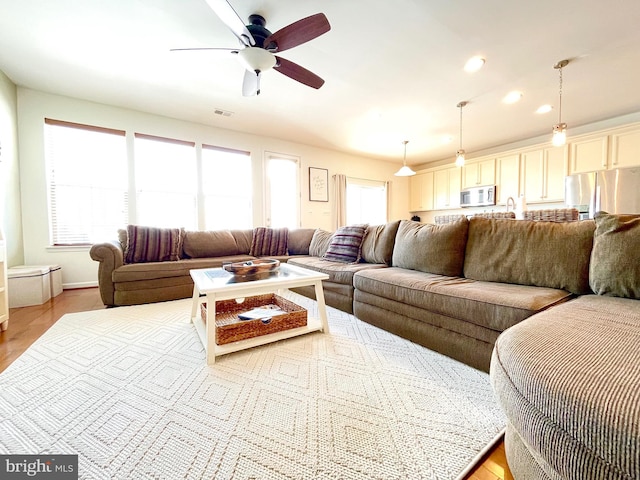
pixel 404 160
pixel 560 100
pixel 461 105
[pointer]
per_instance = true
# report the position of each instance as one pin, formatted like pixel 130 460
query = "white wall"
pixel 10 218
pixel 78 269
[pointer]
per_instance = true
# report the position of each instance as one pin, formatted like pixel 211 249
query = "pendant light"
pixel 560 129
pixel 460 152
pixel 405 171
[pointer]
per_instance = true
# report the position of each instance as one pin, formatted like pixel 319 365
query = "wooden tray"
pixel 253 267
pixel 229 328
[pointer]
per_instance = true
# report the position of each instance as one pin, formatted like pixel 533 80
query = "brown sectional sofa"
pixel 147 282
pixel 536 301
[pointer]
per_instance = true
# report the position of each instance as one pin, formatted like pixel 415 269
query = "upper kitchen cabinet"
pixel 589 154
pixel 421 192
pixel 479 173
pixel 543 173
pixel 625 148
pixel 446 185
pixel 508 177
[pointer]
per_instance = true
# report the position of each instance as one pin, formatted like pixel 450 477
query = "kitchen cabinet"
pixel 625 148
pixel 479 173
pixel 589 154
pixel 421 192
pixel 508 178
pixel 446 186
pixel 543 173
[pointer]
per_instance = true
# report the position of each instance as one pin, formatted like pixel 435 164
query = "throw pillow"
pixel 319 243
pixel 151 244
pixel 345 244
pixel 615 259
pixel 269 242
pixel 431 248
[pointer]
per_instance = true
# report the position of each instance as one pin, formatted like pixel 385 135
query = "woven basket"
pixel 229 328
pixel 553 215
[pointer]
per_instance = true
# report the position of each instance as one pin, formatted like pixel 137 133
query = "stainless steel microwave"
pixel 478 196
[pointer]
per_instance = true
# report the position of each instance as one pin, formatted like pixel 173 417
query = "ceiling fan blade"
pixel 230 18
pixel 298 33
pixel 251 84
pixel 298 73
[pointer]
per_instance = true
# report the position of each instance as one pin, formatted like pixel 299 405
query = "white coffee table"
pixel 212 284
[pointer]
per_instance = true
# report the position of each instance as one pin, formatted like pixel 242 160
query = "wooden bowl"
pixel 253 267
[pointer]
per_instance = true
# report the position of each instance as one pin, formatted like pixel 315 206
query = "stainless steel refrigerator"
pixel 611 191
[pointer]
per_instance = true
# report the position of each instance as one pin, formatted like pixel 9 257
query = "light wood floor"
pixel 28 323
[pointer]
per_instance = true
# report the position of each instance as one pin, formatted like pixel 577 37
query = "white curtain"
pixel 340 205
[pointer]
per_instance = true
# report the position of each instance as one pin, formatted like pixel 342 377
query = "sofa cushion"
pixel 567 380
pixel 545 254
pixel 319 242
pixel 135 275
pixel 615 259
pixel 243 238
pixel 491 305
pixel 151 244
pixel 345 244
pixel 269 241
pixel 431 248
pixel 299 241
pixel 339 272
pixel 378 242
pixel 215 243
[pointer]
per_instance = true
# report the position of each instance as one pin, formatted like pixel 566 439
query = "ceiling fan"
pixel 259 45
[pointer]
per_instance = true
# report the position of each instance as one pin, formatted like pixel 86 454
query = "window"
pixel 166 182
pixel 87 182
pixel 227 187
pixel 282 188
pixel 366 201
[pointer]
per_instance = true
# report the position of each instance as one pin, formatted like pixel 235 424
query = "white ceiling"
pixel 393 70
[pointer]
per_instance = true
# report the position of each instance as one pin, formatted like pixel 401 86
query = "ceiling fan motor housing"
pixel 257 29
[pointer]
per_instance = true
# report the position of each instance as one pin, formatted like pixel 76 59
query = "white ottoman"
pixel 28 286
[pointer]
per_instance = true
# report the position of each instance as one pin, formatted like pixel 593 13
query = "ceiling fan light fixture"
pixel 405 171
pixel 256 59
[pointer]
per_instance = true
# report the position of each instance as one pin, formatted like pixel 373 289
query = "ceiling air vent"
pixel 223 113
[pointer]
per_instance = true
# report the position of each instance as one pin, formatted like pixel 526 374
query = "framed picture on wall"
pixel 318 184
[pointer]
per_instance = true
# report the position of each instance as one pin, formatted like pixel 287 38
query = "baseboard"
pixel 71 286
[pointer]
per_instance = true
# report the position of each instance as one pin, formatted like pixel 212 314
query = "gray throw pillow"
pixel 615 259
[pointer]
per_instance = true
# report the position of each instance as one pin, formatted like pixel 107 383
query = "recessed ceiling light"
pixel 544 109
pixel 447 138
pixel 512 97
pixel 474 64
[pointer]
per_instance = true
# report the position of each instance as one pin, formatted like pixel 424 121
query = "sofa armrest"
pixel 110 256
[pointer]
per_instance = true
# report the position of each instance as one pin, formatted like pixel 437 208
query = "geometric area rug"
pixel 128 390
